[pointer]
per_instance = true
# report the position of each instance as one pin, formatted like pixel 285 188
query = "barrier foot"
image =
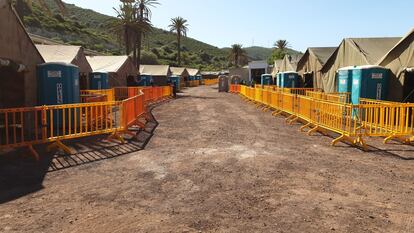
pixel 276 113
pixel 402 139
pixel 308 125
pixel 116 136
pixel 313 130
pixel 34 153
pixel 293 120
pixel 389 138
pixel 59 145
pixel 359 140
pixel 290 118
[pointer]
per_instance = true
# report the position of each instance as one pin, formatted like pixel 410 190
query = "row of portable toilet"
pixel 283 80
pixel 369 82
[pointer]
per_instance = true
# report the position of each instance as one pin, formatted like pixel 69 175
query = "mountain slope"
pixel 91 30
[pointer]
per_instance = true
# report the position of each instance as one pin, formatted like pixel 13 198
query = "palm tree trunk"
pixel 126 41
pixel 139 44
pixel 179 48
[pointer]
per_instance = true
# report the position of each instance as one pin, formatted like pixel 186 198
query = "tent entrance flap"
pixel 409 86
pixel 308 80
pixel 12 87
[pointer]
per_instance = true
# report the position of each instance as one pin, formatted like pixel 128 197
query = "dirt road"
pixel 217 164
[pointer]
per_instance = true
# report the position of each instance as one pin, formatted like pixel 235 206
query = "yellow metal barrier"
pixel 45 124
pixel 331 112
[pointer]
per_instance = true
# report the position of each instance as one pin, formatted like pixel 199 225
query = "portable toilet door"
pixel 145 80
pixel 290 80
pixel 175 81
pixel 344 76
pixel 369 82
pixel 58 83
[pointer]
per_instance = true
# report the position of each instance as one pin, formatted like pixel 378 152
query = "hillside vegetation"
pixel 91 30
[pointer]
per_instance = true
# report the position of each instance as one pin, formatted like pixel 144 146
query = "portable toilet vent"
pixel 98 81
pixel 369 82
pixel 289 80
pixel 266 79
pixel 344 76
pixel 58 83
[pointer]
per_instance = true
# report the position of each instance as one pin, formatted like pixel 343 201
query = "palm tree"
pixel 43 4
pixel 180 27
pixel 128 27
pixel 282 45
pixel 144 19
pixel 237 54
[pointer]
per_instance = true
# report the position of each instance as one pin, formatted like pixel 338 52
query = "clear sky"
pixel 304 23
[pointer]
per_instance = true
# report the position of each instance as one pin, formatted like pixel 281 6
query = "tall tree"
pixel 180 27
pixel 282 45
pixel 237 54
pixel 129 27
pixel 144 19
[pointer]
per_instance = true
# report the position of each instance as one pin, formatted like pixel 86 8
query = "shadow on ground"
pixel 21 174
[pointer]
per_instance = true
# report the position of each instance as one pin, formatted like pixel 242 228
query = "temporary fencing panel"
pixel 43 124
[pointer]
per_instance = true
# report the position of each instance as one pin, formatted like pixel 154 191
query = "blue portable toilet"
pixel 344 76
pixel 145 80
pixel 289 79
pixel 175 81
pixel 98 81
pixel 200 78
pixel 266 79
pixel 58 83
pixel 369 82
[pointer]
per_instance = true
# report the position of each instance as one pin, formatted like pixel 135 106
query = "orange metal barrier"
pixel 44 124
pixel 209 82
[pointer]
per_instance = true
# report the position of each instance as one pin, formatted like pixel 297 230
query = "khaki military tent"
pixel 18 60
pixel 182 73
pixel 119 68
pixel 68 54
pixel 311 63
pixel 400 60
pixel 193 72
pixel 276 67
pixel 159 73
pixel 290 62
pixel 354 52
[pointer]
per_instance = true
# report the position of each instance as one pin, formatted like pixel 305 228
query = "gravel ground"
pixel 218 164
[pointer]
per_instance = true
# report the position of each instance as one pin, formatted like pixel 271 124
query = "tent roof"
pixel 59 53
pixel 109 64
pixel 397 49
pixel 177 70
pixel 322 53
pixel 193 72
pixel 155 70
pixel 371 49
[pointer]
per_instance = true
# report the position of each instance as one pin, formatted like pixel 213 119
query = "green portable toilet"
pixel 98 81
pixel 369 82
pixel 344 76
pixel 266 79
pixel 289 79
